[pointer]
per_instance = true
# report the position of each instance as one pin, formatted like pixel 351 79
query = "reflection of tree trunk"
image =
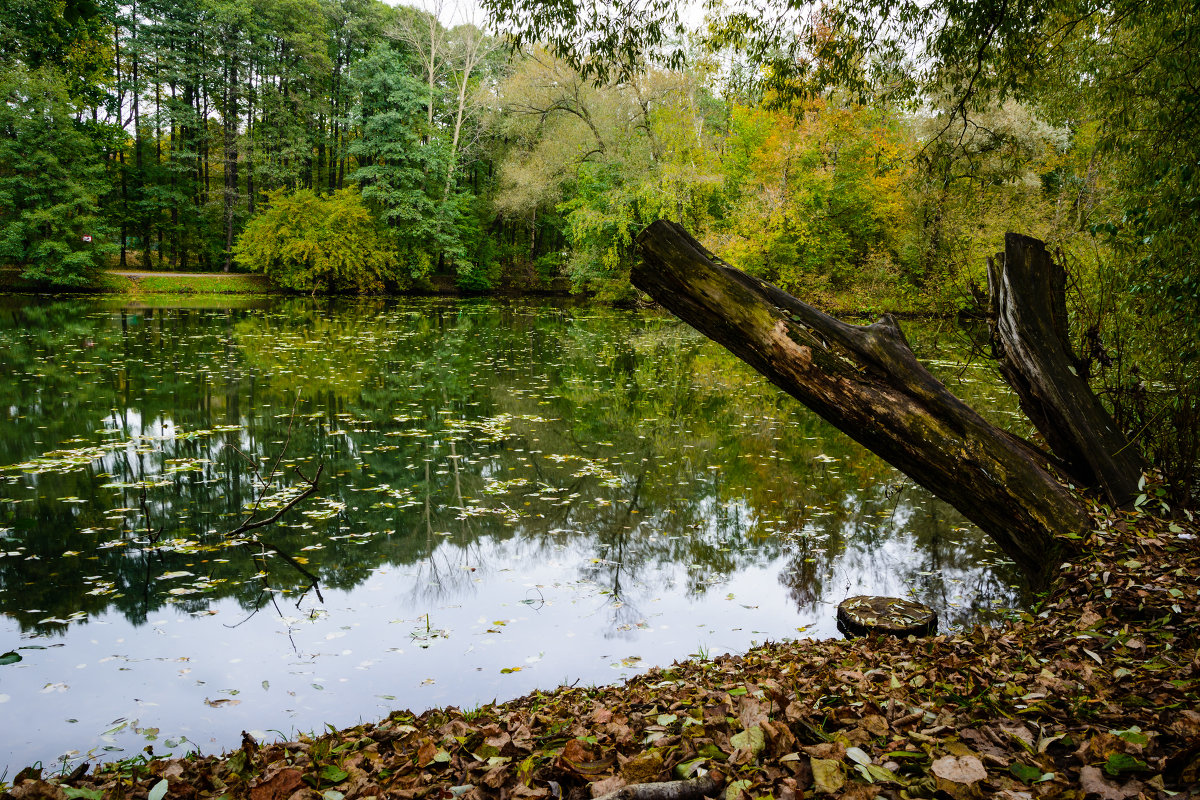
pixel 866 381
pixel 428 511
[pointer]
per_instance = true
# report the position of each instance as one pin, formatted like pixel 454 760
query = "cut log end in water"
pixel 894 616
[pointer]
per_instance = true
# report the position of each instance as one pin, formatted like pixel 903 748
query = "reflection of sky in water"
pixel 647 499
pixel 362 653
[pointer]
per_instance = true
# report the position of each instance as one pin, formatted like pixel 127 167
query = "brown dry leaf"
pixel 780 739
pixel 1103 745
pixel 608 785
pixel 577 758
pixel 985 745
pixel 496 777
pixel 575 750
pixel 500 740
pixel 752 712
pixel 643 768
pixel 875 725
pixel 959 769
pixel 454 729
pixel 831 750
pixel 277 786
pixel 1186 724
pixel 795 712
pixel 1017 730
pixel 957 776
pixel 1096 787
pixel 621 734
pixel 522 738
pixel 426 753
pixel 37 790
pixel 829 776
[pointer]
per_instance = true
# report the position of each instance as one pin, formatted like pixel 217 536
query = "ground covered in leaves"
pixel 1095 694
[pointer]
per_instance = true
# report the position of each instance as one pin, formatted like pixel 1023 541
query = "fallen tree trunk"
pixel 866 381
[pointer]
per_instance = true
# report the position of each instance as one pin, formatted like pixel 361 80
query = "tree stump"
pixel 862 615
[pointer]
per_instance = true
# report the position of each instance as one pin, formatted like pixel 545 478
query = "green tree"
pixel 400 164
pixel 319 244
pixel 51 178
pixel 609 158
pixel 71 36
pixel 816 198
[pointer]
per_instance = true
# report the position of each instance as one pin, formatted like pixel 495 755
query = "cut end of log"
pixel 894 616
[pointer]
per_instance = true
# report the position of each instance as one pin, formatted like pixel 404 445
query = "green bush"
pixel 316 244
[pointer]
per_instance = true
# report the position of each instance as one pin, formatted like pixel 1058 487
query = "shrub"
pixel 316 244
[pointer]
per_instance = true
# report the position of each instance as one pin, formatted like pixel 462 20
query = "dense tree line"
pixel 167 125
pixel 213 134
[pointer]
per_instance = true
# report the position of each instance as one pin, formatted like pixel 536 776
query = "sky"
pixel 452 12
pixel 455 12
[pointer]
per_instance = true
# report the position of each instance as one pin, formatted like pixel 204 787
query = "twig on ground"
pixel 669 790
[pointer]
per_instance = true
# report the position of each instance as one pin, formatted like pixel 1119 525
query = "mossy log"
pixel 866 381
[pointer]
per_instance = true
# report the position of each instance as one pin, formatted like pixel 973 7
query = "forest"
pixel 351 146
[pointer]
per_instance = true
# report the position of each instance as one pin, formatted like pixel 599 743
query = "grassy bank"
pixel 859 305
pixel 1092 695
pixel 136 284
pixel 188 284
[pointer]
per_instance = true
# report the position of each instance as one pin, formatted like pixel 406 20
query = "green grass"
pixel 166 283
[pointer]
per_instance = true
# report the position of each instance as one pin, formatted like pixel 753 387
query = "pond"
pixel 512 496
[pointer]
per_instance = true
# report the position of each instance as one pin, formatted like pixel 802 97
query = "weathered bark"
pixel 866 381
pixel 1027 312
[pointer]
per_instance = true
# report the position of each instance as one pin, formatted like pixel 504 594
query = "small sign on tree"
pixel 87 238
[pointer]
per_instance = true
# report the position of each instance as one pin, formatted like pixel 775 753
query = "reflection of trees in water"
pixel 902 538
pixel 637 443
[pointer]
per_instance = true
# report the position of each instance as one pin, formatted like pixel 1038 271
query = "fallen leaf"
pixel 1095 785
pixel 278 786
pixel 957 775
pixel 828 775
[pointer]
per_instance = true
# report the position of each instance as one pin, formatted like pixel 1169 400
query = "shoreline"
pixel 136 285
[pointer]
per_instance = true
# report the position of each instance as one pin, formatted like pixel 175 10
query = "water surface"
pixel 512 496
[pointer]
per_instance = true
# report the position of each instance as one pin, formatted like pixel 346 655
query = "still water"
pixel 511 497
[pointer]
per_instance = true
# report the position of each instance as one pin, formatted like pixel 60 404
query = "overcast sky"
pixel 456 12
